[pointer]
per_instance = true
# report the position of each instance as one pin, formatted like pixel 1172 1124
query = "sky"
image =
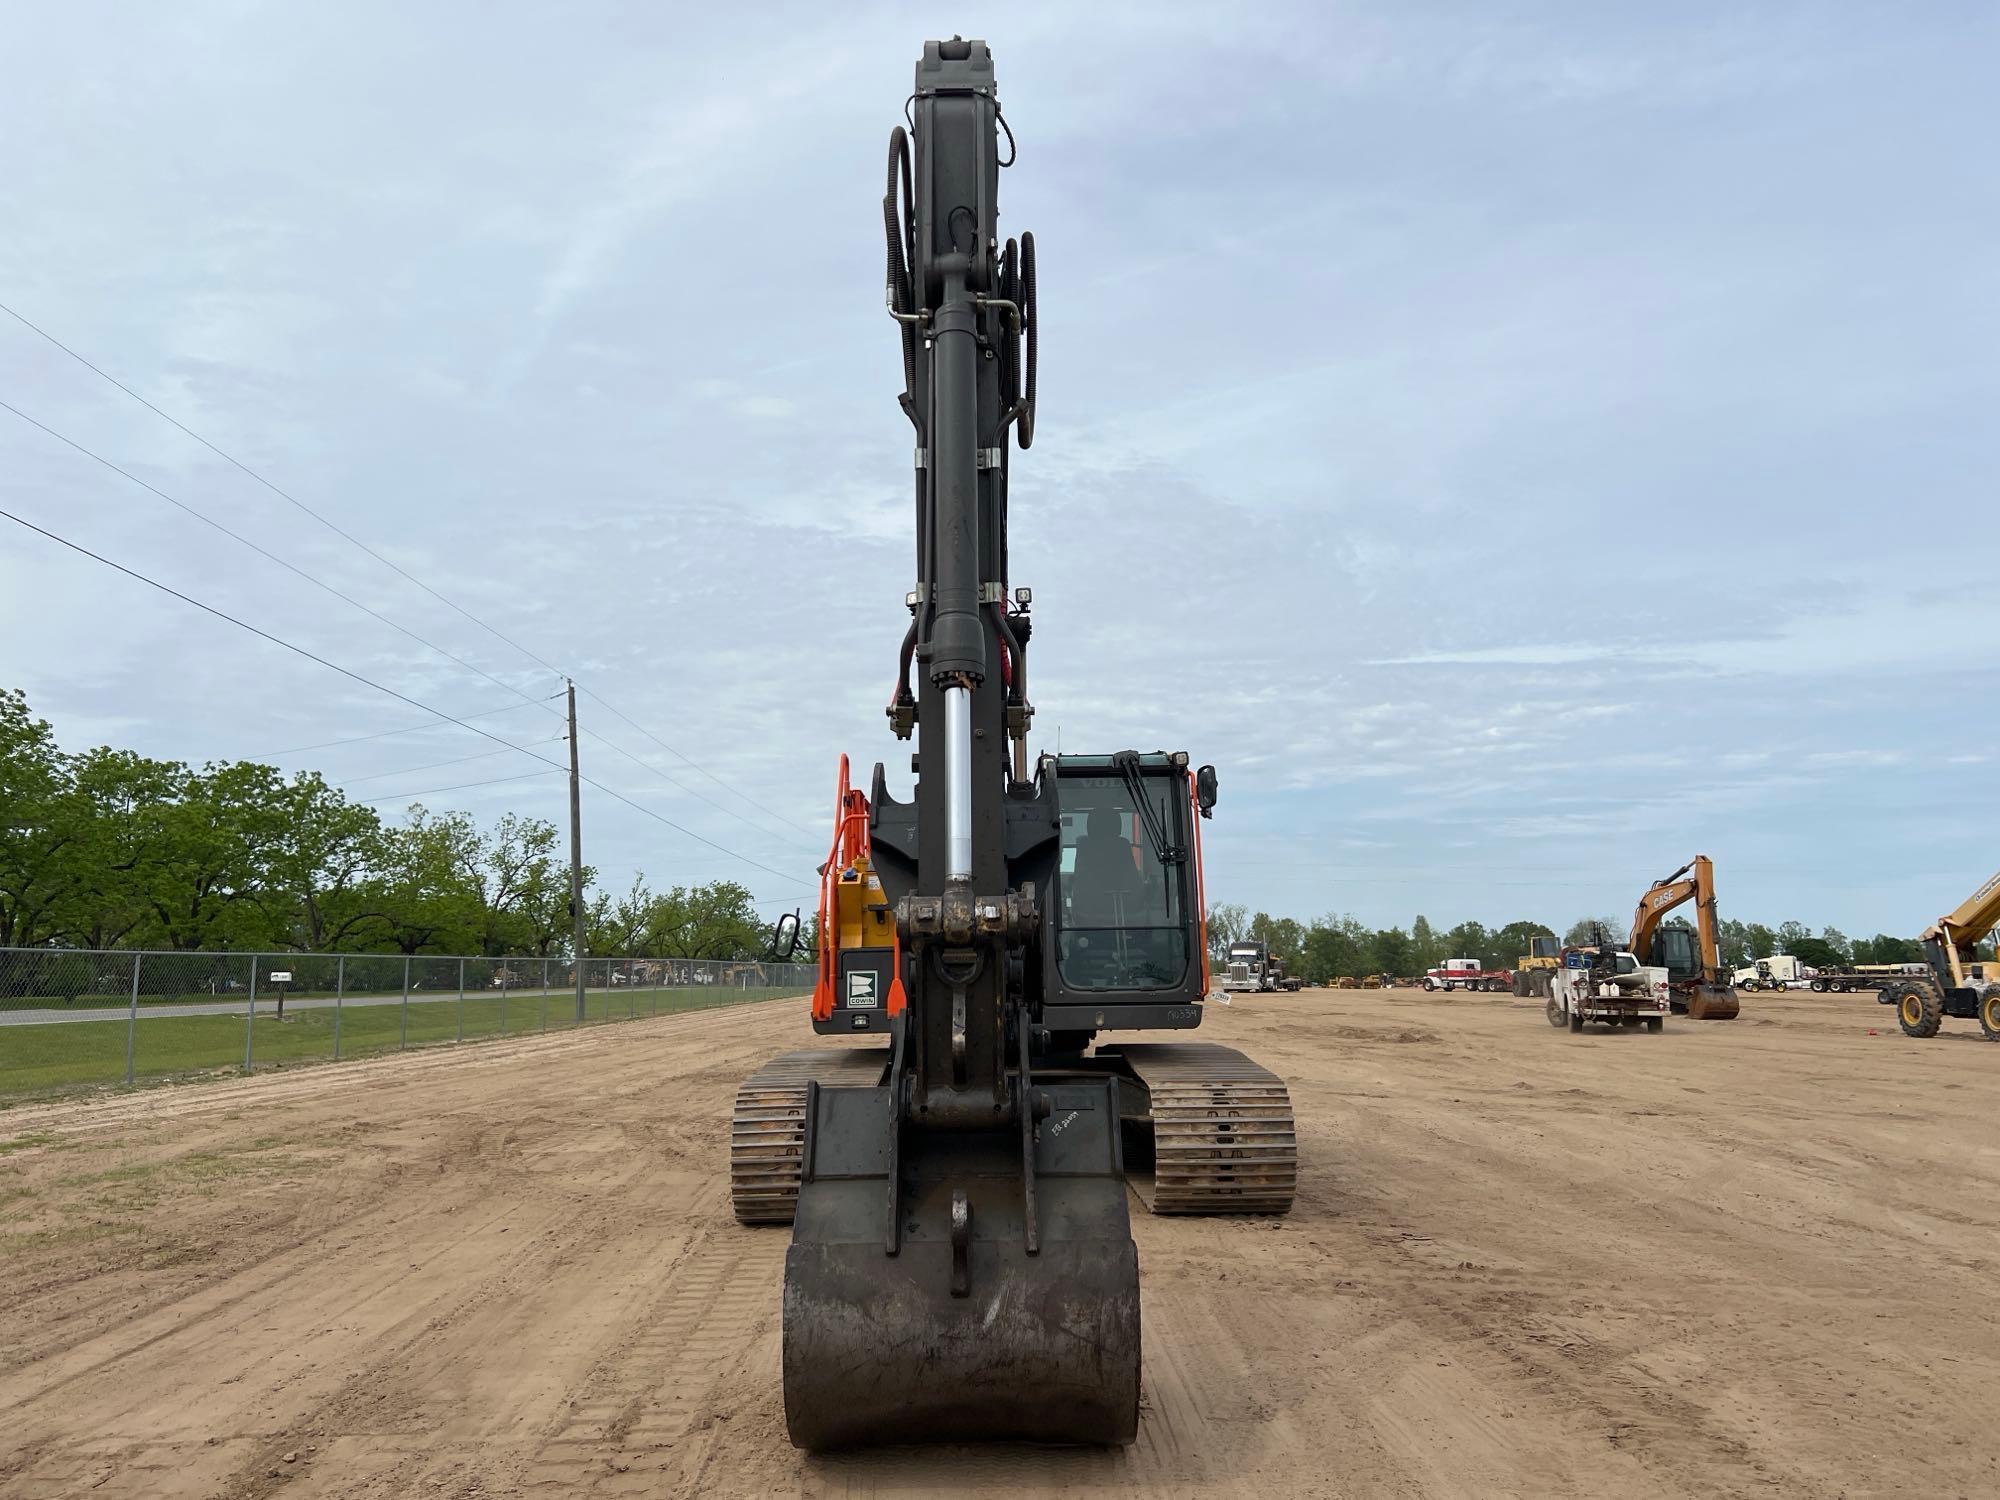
pixel 1520 446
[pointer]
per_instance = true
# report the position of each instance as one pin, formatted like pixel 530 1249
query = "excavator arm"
pixel 1705 992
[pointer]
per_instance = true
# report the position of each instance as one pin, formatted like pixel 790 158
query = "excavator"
pixel 962 1265
pixel 1699 984
pixel 1960 983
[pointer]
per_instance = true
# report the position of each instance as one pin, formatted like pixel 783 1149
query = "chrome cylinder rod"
pixel 958 782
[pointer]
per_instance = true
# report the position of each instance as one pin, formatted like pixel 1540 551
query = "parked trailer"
pixel 1850 977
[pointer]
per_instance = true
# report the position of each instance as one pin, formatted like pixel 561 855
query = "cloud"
pixel 1489 438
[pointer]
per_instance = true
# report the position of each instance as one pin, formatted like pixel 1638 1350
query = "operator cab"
pixel 1674 949
pixel 1123 926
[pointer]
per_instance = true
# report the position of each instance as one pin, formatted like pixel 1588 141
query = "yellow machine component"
pixel 1535 971
pixel 861 914
pixel 1954 941
pixel 1959 982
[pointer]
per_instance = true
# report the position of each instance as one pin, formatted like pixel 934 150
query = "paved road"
pixel 268 1005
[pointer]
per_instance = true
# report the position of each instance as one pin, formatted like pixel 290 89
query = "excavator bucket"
pixel 937 1292
pixel 1713 1003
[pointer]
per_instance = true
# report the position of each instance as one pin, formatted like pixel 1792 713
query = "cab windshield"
pixel 1121 916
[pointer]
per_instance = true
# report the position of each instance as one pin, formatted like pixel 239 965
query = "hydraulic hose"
pixel 1029 322
pixel 896 233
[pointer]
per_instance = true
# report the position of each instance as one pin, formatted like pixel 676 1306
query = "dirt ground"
pixel 1735 1259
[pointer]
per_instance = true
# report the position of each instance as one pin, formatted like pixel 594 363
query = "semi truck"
pixel 1248 968
pixel 1779 971
pixel 1467 974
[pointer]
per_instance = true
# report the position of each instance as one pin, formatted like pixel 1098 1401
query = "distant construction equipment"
pixel 1535 973
pixel 1693 960
pixel 1959 982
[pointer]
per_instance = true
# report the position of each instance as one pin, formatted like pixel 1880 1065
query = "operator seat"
pixel 1106 876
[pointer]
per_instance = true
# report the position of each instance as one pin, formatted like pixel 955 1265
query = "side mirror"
pixel 1204 790
pixel 785 936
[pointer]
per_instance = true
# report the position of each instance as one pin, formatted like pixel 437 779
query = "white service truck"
pixel 1609 986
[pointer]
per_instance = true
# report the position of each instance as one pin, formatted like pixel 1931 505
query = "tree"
pixel 1227 923
pixel 1282 937
pixel 1512 943
pixel 718 920
pixel 1883 949
pixel 1334 946
pixel 422 886
pixel 1389 951
pixel 1427 949
pixel 1815 952
pixel 1582 932
pixel 1470 940
pixel 1789 934
pixel 1759 941
pixel 1837 940
pixel 620 926
pixel 316 866
pixel 37 830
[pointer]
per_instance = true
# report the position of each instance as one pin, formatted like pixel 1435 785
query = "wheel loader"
pixel 962 1265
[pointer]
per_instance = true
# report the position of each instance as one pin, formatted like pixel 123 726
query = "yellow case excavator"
pixel 1693 961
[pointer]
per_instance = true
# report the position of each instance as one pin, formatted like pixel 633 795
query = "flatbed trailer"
pixel 1841 981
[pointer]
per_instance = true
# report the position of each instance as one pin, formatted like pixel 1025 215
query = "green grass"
pixel 83 1054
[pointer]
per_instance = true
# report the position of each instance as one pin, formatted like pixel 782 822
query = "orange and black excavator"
pixel 1693 960
pixel 962 1265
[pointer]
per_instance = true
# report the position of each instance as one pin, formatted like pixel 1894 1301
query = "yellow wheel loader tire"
pixel 1919 1011
pixel 1989 1014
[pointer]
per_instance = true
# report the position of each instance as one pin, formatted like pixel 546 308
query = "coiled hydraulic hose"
pixel 898 233
pixel 1026 426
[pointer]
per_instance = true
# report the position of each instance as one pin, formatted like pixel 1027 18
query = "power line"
pixel 285 495
pixel 263 552
pixel 512 708
pixel 656 817
pixel 210 609
pixel 354 676
pixel 435 765
pixel 404 573
pixel 432 791
pixel 704 771
pixel 651 769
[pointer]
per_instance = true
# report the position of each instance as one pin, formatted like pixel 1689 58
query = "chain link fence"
pixel 72 1018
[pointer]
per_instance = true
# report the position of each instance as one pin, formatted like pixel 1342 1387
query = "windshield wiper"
pixel 1167 852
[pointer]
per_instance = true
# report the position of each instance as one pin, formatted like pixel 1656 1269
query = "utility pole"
pixel 575 852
